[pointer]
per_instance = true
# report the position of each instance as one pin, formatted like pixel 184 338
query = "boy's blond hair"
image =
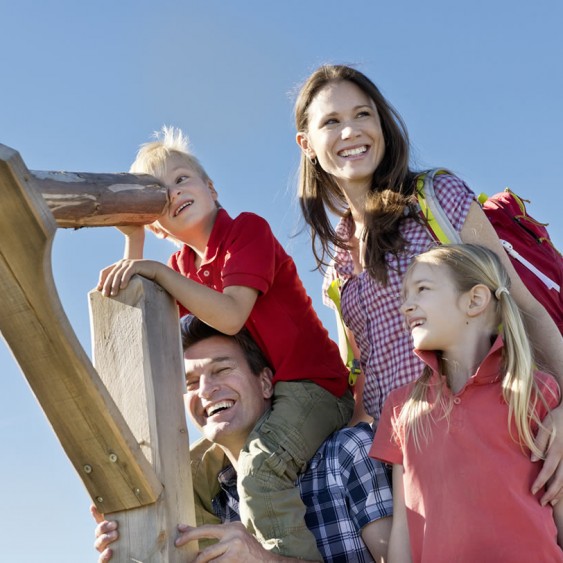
pixel 152 156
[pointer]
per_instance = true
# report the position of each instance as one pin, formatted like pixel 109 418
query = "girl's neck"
pixel 461 364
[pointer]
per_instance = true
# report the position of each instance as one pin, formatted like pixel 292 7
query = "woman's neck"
pixel 355 195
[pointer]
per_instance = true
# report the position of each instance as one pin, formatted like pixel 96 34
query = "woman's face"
pixel 344 134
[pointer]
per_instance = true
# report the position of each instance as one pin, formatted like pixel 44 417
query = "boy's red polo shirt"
pixel 244 252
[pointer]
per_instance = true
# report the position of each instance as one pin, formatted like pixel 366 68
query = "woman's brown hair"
pixel 391 188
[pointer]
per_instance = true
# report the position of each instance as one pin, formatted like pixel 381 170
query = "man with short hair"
pixel 229 390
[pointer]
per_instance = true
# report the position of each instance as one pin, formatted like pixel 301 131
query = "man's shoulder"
pixel 349 439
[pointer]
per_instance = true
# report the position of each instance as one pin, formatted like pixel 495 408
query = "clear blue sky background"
pixel 478 83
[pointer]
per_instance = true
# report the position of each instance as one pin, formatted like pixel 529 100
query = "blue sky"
pixel 479 85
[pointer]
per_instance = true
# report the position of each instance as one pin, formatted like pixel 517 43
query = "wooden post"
pixel 138 354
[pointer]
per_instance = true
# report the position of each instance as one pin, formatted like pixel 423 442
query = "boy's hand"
pixel 132 231
pixel 106 533
pixel 117 276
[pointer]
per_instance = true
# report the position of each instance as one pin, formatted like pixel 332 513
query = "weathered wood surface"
pixel 81 199
pixel 137 352
pixel 84 417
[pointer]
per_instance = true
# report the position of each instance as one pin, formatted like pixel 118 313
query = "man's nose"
pixel 207 386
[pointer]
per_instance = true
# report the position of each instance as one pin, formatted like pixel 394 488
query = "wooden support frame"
pixel 91 428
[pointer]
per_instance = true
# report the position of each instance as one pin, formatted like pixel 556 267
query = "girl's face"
pixel 344 134
pixel 434 310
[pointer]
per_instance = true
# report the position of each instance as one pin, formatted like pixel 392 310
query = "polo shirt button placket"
pixel 456 421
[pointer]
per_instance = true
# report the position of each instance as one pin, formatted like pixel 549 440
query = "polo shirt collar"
pixel 220 228
pixel 488 372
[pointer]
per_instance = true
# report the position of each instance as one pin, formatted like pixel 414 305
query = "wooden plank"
pixel 83 199
pixel 138 354
pixel 85 419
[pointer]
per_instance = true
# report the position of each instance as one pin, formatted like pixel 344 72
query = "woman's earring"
pixel 313 160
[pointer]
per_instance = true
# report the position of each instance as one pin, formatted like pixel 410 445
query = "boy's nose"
pixel 173 192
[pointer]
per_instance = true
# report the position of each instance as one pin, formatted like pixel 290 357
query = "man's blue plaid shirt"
pixel 343 489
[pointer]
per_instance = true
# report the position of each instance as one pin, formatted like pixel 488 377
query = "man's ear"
pixel 479 297
pixel 266 379
pixel 302 140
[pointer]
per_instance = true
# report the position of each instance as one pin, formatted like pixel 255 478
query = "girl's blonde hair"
pixel 152 157
pixel 470 265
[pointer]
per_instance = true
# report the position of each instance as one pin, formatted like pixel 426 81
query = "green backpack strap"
pixel 431 211
pixel 352 363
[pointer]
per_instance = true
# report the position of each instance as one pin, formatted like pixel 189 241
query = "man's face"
pixel 224 398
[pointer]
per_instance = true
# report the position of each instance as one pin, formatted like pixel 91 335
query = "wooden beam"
pixel 85 419
pixel 138 354
pixel 81 199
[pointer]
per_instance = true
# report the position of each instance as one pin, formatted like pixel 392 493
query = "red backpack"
pixel 527 242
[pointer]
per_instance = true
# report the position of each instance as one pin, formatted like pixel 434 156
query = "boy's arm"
pixel 399 542
pixel 226 312
pixel 134 241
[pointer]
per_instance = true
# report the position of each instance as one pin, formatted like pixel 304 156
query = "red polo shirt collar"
pixel 488 372
pixel 221 227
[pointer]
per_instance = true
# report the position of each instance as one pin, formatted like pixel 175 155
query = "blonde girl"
pixel 460 437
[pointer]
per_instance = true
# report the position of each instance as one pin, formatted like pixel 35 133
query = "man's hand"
pixel 551 439
pixel 234 544
pixel 106 533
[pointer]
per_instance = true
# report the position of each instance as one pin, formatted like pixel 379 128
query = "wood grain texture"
pixel 83 415
pixel 138 354
pixel 83 199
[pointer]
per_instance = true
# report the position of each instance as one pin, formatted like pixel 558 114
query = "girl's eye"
pixel 181 179
pixel 364 113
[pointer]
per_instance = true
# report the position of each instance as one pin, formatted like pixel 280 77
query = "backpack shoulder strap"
pixel 431 211
pixel 352 363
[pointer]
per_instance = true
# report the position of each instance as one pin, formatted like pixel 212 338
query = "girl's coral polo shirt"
pixel 468 491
